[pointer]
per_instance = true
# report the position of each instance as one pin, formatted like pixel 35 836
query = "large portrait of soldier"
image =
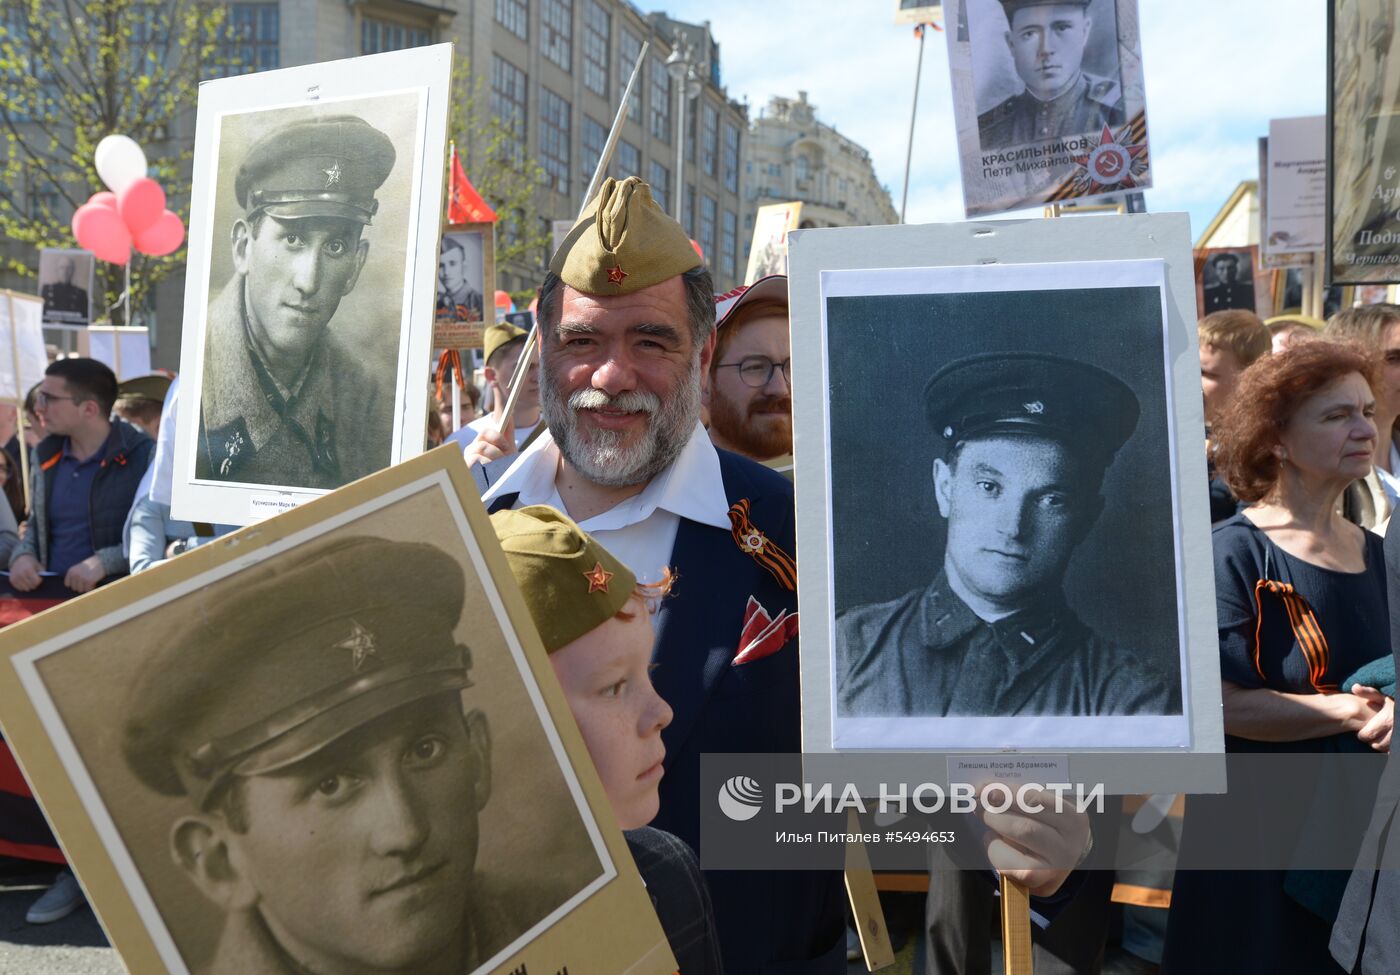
pixel 307 258
pixel 66 285
pixel 327 747
pixel 999 512
pixel 1049 100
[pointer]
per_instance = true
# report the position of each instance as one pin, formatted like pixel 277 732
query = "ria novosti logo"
pixel 740 798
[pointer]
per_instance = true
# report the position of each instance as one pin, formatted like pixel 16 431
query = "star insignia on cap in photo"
pixel 332 175
pixel 598 578
pixel 360 643
pixel 616 274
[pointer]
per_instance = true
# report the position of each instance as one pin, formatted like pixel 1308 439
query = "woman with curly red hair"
pixel 1300 605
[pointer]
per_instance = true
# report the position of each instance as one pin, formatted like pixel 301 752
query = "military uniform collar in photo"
pixel 571 583
pixel 1090 411
pixel 623 242
pixel 272 671
pixel 327 167
pixel 498 335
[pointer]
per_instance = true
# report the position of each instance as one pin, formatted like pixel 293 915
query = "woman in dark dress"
pixel 1301 604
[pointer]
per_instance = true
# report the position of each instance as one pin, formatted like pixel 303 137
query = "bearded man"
pixel 750 390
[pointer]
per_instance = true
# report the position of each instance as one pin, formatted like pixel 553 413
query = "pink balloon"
pixel 105 199
pixel 162 237
pixel 140 203
pixel 101 231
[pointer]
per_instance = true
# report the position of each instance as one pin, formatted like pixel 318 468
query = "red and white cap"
pixel 771 288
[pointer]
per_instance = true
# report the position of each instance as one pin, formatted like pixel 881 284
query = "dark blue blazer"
pixel 769 922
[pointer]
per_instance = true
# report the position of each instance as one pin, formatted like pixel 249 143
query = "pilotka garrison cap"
pixel 623 242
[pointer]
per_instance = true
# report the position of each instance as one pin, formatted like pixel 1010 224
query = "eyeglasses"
pixel 43 399
pixel 757 370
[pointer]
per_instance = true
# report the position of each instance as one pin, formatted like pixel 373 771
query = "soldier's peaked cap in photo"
pixel 324 167
pixel 1011 6
pixel 623 242
pixel 993 394
pixel 288 656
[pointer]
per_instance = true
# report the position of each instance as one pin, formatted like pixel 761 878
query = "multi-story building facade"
pixel 555 70
pixel 791 156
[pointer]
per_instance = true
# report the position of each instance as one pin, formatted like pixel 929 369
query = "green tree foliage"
pixel 494 156
pixel 74 71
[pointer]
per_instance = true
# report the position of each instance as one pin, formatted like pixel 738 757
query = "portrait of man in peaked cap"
pixel 305 310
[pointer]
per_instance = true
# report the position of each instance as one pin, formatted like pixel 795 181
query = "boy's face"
pixel 362 855
pixel 1220 369
pixel 606 678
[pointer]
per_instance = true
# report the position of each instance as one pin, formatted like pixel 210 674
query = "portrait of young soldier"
pixel 1047 40
pixel 1229 283
pixel 1025 442
pixel 287 397
pixel 459 284
pixel 319 726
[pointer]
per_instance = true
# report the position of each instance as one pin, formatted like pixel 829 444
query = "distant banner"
pixel 1050 104
pixel 918 12
pixel 768 251
pixel 1294 190
pixel 1363 145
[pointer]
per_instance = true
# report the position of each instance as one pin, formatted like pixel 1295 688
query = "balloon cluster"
pixel 133 213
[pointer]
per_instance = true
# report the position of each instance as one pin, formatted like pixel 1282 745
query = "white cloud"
pixel 1216 73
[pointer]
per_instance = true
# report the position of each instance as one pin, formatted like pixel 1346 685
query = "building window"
pixel 43 200
pixel 557 31
pixel 660 102
pixel 803 168
pixel 508 99
pixel 688 210
pixel 554 140
pixel 707 228
pixel 629 45
pixel 660 180
pixel 594 139
pixel 709 141
pixel 729 243
pixel 691 124
pixel 627 161
pixel 249 40
pixel 731 158
pixel 596 28
pixel 514 16
pixel 377 36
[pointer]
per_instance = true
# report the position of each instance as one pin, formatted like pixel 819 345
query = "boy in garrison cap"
pixel 284 400
pixel 1027 438
pixel 595 621
pixel 312 719
pixel 1047 40
pixel 502 347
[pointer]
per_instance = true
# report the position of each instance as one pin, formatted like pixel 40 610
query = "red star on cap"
pixel 616 274
pixel 598 578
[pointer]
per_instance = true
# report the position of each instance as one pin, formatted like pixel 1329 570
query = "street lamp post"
pixel 688 86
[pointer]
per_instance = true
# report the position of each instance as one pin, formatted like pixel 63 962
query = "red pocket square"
pixel 762 635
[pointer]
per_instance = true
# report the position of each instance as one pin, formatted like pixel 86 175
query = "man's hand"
pixel 1037 850
pixel 85 576
pixel 24 574
pixel 489 446
pixel 1376 731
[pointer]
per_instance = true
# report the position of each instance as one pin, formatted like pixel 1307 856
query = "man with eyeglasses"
pixel 750 391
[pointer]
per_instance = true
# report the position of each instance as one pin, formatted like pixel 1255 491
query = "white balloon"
pixel 119 161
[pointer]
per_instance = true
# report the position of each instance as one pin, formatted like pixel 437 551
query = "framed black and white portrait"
pixel 466 286
pixel 66 285
pixel 1228 278
pixel 332 743
pixel 313 248
pixel 1003 548
pixel 1049 101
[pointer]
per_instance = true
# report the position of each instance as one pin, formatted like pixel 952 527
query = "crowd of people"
pixel 645 447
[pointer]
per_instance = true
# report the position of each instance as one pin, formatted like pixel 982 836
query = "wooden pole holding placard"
pixel 1015 928
pixel 19 399
pixel 456 401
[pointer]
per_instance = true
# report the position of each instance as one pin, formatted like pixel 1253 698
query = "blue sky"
pixel 1217 71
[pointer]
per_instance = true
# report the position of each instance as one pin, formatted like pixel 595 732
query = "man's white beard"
pixel 604 458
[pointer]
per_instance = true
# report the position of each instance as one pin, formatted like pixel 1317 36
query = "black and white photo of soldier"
pixel 65 278
pixel 1227 281
pixel 301 338
pixel 1000 588
pixel 1066 73
pixel 460 273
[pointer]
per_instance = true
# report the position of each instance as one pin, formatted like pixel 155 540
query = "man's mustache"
pixel 632 401
pixel 771 404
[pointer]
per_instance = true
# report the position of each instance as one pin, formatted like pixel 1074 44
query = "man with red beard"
pixel 750 396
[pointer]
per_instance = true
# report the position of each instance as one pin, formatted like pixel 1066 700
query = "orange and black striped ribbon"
pixel 1134 133
pixel 1306 631
pixel 781 565
pixel 450 359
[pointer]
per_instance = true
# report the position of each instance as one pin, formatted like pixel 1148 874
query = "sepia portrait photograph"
pixel 306 262
pixel 466 286
pixel 1226 279
pixel 768 249
pixel 1036 85
pixel 327 751
pixel 66 285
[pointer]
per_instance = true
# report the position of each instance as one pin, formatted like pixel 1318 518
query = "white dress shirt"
pixel 641 530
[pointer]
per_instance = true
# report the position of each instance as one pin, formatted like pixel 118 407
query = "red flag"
pixel 465 204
